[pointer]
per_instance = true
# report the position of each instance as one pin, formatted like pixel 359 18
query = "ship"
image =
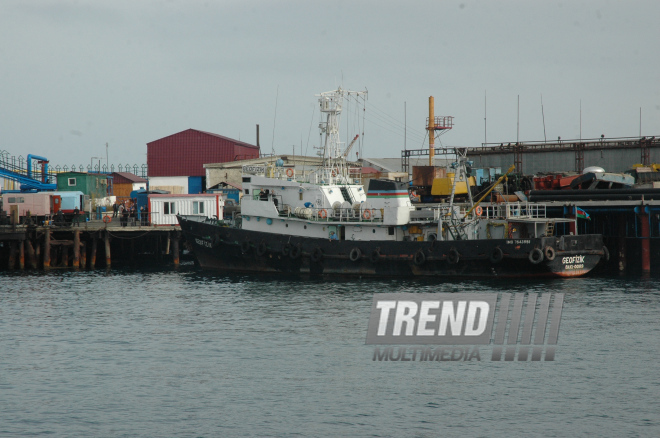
pixel 326 223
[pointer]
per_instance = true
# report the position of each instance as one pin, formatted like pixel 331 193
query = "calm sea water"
pixel 187 353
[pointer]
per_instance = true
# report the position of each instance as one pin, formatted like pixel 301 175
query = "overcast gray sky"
pixel 77 74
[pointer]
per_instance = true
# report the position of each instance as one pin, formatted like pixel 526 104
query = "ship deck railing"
pixel 513 210
pixel 369 215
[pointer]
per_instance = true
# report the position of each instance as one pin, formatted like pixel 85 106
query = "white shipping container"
pixel 164 208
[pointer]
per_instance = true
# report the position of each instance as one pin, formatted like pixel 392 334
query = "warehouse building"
pixel 176 162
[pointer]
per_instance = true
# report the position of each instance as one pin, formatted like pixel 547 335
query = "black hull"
pixel 237 250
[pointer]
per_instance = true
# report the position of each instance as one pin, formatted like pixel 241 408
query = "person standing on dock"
pixel 121 214
pixel 75 221
pixel 115 207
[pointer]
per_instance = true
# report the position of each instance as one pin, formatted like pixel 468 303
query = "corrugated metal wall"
pixel 612 160
pixel 184 206
pixel 185 153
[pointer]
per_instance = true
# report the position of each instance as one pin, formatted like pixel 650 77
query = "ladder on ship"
pixel 346 195
pixel 549 229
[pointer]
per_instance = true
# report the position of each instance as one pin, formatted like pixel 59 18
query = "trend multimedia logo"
pixel 521 326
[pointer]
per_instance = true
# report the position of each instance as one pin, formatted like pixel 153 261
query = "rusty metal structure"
pixel 613 154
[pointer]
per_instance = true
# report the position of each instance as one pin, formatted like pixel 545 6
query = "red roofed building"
pixel 186 152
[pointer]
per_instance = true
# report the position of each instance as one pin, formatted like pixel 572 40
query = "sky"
pixel 77 75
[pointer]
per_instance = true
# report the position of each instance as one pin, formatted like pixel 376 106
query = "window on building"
pixel 198 207
pixel 72 182
pixel 168 208
pixel 247 179
pixel 247 191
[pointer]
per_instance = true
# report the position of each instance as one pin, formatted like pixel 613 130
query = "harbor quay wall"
pixel 89 246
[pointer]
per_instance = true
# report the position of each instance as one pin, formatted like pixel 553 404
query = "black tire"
pixel 295 252
pixel 420 258
pixel 496 255
pixel 246 246
pixel 355 254
pixel 262 248
pixel 453 257
pixel 375 256
pixel 536 256
pixel 606 254
pixel 317 255
pixel 549 253
pixel 286 249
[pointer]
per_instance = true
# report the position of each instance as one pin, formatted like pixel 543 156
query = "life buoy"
pixel 536 256
pixel 107 219
pixel 289 173
pixel 355 254
pixel 245 246
pixel 323 213
pixel 419 258
pixel 453 257
pixel 549 253
pixel 366 214
pixel 478 210
pixel 317 255
pixel 262 248
pixel 496 255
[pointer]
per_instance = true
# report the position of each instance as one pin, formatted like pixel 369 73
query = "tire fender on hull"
pixel 453 256
pixel 536 256
pixel 496 255
pixel 420 258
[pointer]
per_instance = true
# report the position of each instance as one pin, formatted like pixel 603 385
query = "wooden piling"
pixel 47 249
pixel 32 258
pixel 92 262
pixel 76 249
pixel 12 255
pixel 21 254
pixel 175 250
pixel 108 259
pixel 65 255
pixel 83 255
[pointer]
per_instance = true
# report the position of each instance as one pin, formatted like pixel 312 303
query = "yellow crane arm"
pixel 511 169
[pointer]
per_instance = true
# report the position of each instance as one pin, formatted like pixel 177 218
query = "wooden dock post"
pixel 65 255
pixel 83 255
pixel 108 259
pixel 47 249
pixel 12 255
pixel 175 250
pixel 76 249
pixel 92 261
pixel 32 257
pixel 21 254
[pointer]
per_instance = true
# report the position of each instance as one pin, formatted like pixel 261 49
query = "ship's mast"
pixel 334 160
